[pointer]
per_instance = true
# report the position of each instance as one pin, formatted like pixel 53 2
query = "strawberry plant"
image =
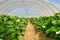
pixel 12 27
pixel 49 25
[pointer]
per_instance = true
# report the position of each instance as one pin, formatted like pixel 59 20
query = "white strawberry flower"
pixel 58 32
pixel 18 20
pixel 43 26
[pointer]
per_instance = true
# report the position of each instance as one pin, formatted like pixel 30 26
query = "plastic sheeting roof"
pixel 32 8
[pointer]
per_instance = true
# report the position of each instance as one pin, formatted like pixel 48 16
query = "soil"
pixel 31 34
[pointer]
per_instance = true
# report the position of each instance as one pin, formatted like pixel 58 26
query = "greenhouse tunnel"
pixel 32 8
pixel 22 20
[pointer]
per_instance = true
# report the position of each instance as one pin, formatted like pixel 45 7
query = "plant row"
pixel 12 27
pixel 49 25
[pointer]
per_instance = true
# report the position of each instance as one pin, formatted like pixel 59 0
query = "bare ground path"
pixel 30 33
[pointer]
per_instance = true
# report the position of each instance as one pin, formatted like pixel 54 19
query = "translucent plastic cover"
pixel 28 8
